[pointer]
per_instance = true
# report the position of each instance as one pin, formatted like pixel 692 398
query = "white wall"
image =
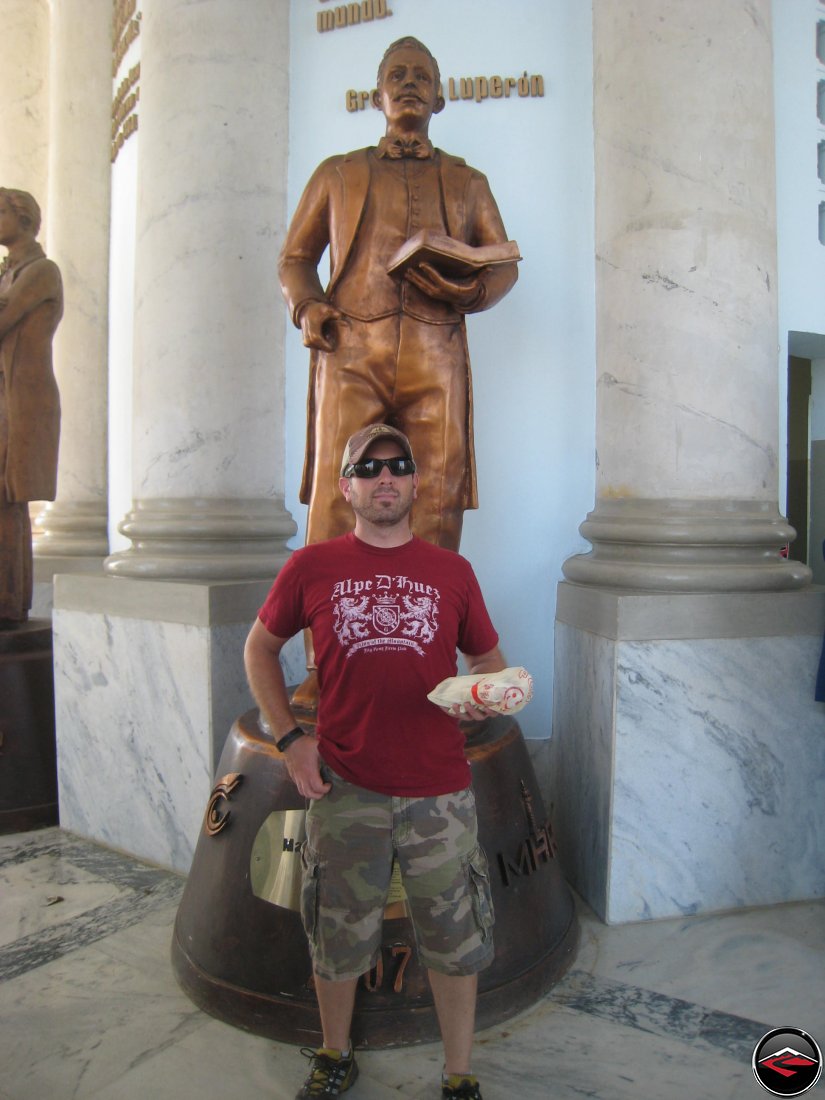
pixel 121 320
pixel 533 355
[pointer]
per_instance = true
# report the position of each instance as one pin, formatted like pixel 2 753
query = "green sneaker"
pixel 460 1087
pixel 330 1075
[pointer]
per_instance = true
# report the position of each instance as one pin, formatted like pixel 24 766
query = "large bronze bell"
pixel 239 948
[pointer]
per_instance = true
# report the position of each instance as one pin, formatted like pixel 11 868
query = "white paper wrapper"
pixel 505 692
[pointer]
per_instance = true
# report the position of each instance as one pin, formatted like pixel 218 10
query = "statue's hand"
pixel 317 321
pixel 3 301
pixel 459 292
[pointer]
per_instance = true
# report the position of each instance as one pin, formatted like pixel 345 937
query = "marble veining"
pixel 719 777
pixel 60 893
pixel 657 1009
pixel 688 776
pixel 143 709
pixel 658 1013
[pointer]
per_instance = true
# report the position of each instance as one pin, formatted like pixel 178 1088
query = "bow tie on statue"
pixel 397 148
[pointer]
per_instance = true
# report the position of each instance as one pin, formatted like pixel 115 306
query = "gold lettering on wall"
pixel 124 11
pixel 350 15
pixel 476 88
pixel 130 33
pixel 125 29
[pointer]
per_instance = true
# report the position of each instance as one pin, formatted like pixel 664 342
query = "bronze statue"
pixel 31 305
pixel 386 347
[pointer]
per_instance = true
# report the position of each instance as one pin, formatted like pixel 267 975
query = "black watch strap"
pixel 283 744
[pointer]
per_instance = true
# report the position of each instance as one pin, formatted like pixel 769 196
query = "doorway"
pixel 806 449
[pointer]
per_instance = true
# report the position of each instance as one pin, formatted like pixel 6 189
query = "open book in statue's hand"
pixel 449 256
pixel 505 692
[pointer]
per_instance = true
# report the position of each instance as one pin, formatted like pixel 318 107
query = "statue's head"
pixel 25 207
pixel 405 49
pixel 408 42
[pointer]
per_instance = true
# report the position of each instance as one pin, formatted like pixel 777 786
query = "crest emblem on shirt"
pixel 386 615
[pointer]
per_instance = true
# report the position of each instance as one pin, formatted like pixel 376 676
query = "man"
pixel 382 347
pixel 387 611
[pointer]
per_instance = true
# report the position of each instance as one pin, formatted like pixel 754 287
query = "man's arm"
pixel 492 661
pixel 306 240
pixel 483 226
pixel 266 679
pixel 37 283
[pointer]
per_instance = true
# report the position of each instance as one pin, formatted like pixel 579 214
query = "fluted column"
pixel 687 413
pixel 79 175
pixel 24 103
pixel 207 463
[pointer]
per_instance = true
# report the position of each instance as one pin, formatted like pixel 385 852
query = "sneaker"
pixel 460 1088
pixel 331 1073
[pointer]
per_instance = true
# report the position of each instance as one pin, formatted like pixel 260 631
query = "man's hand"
pixel 470 711
pixel 318 320
pixel 303 764
pixel 462 293
pixel 491 661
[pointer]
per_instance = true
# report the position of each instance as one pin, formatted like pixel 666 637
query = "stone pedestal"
pixel 688 759
pixel 28 773
pixel 148 680
pixel 46 567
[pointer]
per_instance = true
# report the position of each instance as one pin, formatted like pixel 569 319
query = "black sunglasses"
pixel 372 467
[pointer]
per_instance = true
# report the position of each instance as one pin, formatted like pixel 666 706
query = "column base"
pixel 687 758
pixel 72 529
pixel 210 539
pixel 687 546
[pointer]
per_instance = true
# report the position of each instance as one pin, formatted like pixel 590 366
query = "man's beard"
pixel 383 515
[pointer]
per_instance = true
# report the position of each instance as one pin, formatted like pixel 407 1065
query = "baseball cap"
pixel 360 441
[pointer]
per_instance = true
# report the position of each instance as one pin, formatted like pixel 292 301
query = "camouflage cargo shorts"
pixel 353 837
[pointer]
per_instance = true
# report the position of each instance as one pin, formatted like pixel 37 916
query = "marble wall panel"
pixel 581 759
pixel 719 796
pixel 143 708
pixel 688 776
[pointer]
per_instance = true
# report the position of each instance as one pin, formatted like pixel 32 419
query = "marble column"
pixel 207 465
pixel 686 305
pixel 686 645
pixel 24 97
pixel 149 656
pixel 72 533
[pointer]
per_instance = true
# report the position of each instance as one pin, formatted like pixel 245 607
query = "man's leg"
pixel 351 390
pixel 336 1001
pixel 455 1006
pixel 446 880
pixel 432 402
pixel 333 1068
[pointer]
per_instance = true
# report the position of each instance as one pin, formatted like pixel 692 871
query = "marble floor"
pixel 91 1009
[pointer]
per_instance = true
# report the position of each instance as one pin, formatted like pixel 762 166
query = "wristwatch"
pixel 283 744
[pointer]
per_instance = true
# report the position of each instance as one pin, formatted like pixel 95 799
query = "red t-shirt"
pixel 386 624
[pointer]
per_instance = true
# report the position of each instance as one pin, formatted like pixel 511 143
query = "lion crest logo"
pixel 386 616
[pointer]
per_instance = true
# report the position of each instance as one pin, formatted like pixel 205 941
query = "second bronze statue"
pixel 31 305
